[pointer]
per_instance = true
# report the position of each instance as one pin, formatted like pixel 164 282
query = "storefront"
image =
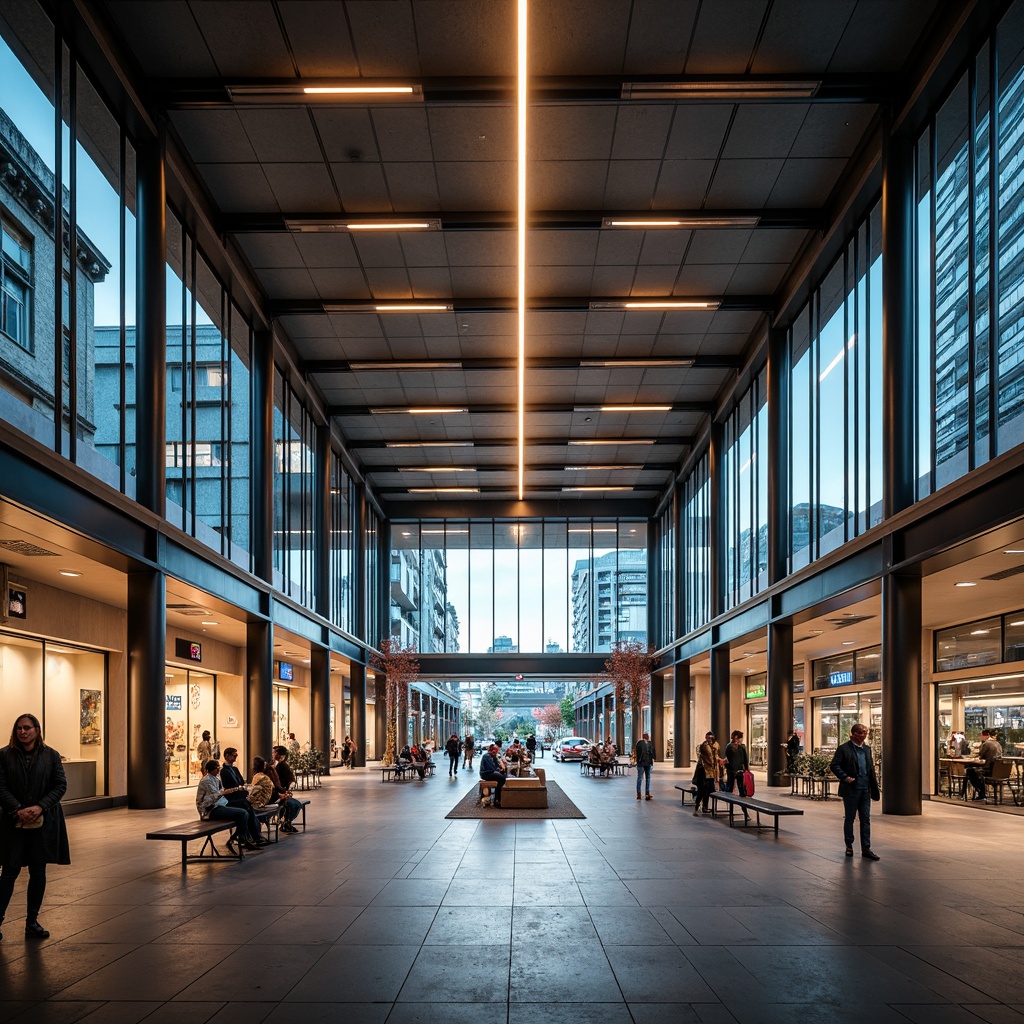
pixel 65 687
pixel 191 709
pixel 755 696
pixel 854 682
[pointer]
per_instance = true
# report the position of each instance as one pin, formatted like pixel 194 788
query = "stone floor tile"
pixel 475 973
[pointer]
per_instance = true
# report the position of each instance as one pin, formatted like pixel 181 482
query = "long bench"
pixel 745 803
pixel 684 790
pixel 199 829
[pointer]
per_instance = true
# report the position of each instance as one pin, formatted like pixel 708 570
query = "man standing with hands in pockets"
pixel 854 767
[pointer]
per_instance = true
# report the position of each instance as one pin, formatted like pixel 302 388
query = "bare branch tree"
pixel 400 667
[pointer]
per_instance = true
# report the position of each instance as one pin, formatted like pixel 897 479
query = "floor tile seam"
pixel 927 963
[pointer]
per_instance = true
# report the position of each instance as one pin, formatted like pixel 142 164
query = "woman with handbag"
pixel 32 829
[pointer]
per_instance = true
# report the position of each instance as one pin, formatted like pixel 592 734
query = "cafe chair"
pixel 999 778
pixel 958 779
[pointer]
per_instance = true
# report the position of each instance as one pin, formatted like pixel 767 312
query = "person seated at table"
pixel 990 752
pixel 517 758
pixel 212 803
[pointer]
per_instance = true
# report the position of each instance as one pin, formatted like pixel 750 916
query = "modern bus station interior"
pixel 698 323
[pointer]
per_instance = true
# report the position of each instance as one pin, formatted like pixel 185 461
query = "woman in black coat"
pixel 32 829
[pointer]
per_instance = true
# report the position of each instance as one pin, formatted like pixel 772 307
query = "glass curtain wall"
pixel 500 586
pixel 667 575
pixel 836 402
pixel 66 374
pixel 294 488
pixel 746 493
pixel 342 540
pixel 372 568
pixel 970 222
pixel 207 415
pixel 696 540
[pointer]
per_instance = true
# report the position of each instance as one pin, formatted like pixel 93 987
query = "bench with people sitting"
pixel 245 809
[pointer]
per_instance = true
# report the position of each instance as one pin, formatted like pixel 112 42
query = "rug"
pixel 559 806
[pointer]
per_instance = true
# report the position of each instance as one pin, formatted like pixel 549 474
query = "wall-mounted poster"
pixel 90 733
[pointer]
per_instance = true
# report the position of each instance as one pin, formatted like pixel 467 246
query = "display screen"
pixel 188 650
pixel 287 671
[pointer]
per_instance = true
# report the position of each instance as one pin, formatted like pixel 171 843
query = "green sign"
pixel 756 690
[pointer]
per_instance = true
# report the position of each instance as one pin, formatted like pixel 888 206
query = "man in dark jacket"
pixel 736 763
pixel 490 769
pixel 854 767
pixel 644 763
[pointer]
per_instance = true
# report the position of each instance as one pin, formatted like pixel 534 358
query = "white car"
pixel 570 748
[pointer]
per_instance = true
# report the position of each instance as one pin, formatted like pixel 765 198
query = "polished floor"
pixel 384 911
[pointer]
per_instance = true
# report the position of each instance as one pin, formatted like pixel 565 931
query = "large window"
pixel 696 540
pixel 836 406
pixel 342 545
pixel 746 493
pixel 502 586
pixel 667 574
pixel 970 400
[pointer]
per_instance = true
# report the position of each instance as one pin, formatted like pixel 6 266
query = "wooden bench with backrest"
pixel 749 803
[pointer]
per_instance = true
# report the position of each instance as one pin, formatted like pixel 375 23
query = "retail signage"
pixel 285 671
pixel 840 678
pixel 188 650
pixel 173 701
pixel 756 690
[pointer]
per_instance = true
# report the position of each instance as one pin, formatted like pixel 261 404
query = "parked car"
pixel 570 748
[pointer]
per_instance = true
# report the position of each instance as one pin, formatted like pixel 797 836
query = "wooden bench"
pixel 684 790
pixel 486 785
pixel 199 829
pixel 394 772
pixel 759 807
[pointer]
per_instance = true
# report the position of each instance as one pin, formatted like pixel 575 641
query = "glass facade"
pixel 695 535
pixel 502 586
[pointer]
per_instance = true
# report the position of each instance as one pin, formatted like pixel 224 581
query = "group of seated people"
pixel 603 756
pixel 415 758
pixel 224 795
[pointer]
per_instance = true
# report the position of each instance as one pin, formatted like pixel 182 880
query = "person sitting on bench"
pixel 278 772
pixel 420 759
pixel 490 769
pixel 236 790
pixel 212 802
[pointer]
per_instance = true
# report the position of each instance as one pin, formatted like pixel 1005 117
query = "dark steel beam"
pixel 563 507
pixel 696 362
pixel 511 442
pixel 213 93
pixel 342 411
pixel 540 220
pixel 534 467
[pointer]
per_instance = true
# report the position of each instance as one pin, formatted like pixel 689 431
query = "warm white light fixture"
pixel 688 223
pixel 965 584
pixel 598 487
pixel 706 305
pixel 210 623
pixel 318 225
pixel 444 490
pixel 366 367
pixel 623 408
pixel 724 91
pixel 437 469
pixel 653 361
pixel 69 572
pixel 980 632
pixel 604 442
pixel 608 466
pixel 521 103
pixel 437 410
pixel 388 307
pixel 1014 551
pixel 428 444
pixel 324 90
pixel 358 90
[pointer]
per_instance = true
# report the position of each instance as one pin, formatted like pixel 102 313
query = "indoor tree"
pixel 628 669
pixel 400 667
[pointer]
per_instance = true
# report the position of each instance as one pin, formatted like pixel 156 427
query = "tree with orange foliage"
pixel 400 667
pixel 629 671
pixel 549 716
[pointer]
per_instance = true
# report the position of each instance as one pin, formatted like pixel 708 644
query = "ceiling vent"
pixel 1005 574
pixel 25 547
pixel 188 609
pixel 848 620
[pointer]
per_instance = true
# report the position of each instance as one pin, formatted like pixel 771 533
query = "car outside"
pixel 570 748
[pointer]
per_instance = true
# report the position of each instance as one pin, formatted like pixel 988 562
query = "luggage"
pixel 748 782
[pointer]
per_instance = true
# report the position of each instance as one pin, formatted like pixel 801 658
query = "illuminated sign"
pixel 756 690
pixel 840 678
pixel 285 671
pixel 173 701
pixel 188 650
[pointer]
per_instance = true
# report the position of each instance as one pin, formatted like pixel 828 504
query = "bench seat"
pixel 198 829
pixel 748 804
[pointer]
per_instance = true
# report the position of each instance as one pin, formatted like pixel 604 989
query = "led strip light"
pixel 521 205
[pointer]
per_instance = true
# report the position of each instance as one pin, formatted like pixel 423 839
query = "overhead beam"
pixel 342 411
pixel 467 474
pixel 569 304
pixel 212 93
pixel 540 220
pixel 684 440
pixel 698 362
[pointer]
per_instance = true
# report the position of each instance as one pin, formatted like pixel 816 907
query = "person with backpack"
pixel 452 750
pixel 468 750
pixel 644 763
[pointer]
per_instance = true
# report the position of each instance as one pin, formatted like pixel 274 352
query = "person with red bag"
pixel 737 765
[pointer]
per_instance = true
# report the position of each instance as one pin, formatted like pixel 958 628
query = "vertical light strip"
pixel 521 123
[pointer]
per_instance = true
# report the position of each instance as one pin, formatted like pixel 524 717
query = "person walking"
pixel 644 763
pixel 854 767
pixel 710 756
pixel 32 829
pixel 737 763
pixel 792 746
pixel 452 750
pixel 468 750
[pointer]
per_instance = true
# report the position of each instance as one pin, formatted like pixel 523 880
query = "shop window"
pixel 15 284
pixel 190 710
pixel 968 645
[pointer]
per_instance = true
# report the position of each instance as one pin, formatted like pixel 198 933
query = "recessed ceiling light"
pixel 428 444
pixel 621 440
pixel 69 572
pixel 625 363
pixel 848 643
pixel 598 487
pixel 816 632
pixel 980 632
pixel 358 90
pixel 643 223
pixel 211 623
pixel 965 584
pixel 436 469
pixel 605 466
pixel 314 225
pixel 655 304
pixel 623 408
pixel 388 307
pixel 406 533
pixel 443 490
pixel 1014 551
pixel 1019 623
pixel 438 410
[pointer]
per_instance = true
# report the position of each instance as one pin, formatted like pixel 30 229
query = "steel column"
pixel 320 702
pixel 357 703
pixel 720 696
pixel 681 716
pixel 716 517
pixel 380 713
pixel 780 699
pixel 657 716
pixel 147 639
pixel 259 655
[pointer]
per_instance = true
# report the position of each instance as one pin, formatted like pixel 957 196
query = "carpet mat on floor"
pixel 559 806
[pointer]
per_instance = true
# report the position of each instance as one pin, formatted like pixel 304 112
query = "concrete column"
pixel 901 695
pixel 357 692
pixel 147 641
pixel 657 717
pixel 320 702
pixel 780 700
pixel 259 670
pixel 720 702
pixel 681 717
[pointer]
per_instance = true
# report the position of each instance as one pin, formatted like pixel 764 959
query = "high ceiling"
pixel 268 155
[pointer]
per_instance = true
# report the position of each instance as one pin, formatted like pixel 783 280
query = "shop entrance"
pixel 190 709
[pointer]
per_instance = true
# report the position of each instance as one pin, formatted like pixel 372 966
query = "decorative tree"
pixel 629 671
pixel 567 705
pixel 550 716
pixel 400 667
